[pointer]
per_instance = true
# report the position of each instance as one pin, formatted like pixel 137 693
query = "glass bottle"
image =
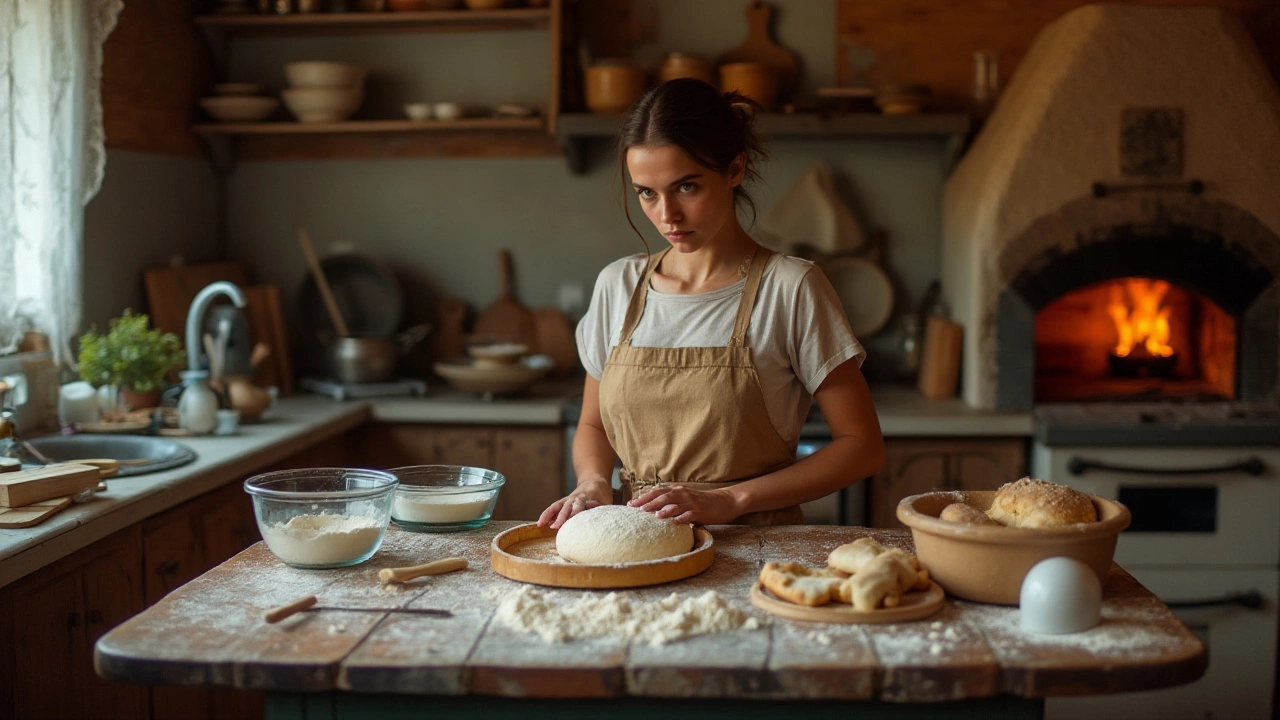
pixel 198 405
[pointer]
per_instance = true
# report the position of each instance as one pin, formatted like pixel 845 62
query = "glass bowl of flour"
pixel 444 498
pixel 322 517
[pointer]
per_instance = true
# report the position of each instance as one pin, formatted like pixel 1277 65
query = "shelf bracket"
pixel 575 153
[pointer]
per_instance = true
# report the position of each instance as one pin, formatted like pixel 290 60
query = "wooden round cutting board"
pixel 528 553
pixel 506 319
pixel 914 606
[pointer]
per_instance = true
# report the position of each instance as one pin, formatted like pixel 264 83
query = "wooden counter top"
pixel 210 632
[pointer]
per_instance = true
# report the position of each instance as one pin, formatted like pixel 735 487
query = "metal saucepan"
pixel 370 358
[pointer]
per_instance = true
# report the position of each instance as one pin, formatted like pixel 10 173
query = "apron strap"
pixel 758 262
pixel 635 308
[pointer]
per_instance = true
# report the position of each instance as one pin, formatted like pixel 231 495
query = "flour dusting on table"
pixel 656 622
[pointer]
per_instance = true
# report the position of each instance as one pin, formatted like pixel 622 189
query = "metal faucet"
pixel 195 317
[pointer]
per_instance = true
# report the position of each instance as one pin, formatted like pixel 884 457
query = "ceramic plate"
pixel 865 292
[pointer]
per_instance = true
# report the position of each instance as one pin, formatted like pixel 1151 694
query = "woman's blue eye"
pixel 687 187
pixel 645 193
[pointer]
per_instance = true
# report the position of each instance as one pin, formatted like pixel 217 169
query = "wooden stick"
pixel 322 283
pixel 275 615
pixel 437 567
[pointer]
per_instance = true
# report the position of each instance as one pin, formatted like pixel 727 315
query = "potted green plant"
pixel 132 356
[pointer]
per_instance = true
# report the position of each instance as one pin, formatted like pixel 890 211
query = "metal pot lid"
pixel 368 296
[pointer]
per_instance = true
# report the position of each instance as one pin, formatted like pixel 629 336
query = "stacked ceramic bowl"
pixel 238 102
pixel 323 91
pixel 496 369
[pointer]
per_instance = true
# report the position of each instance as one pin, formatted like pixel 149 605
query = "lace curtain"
pixel 51 160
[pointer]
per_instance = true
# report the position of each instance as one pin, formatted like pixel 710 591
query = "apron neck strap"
pixel 758 262
pixel 635 308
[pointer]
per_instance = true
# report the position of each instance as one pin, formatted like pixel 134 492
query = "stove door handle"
pixel 1252 465
pixel 1251 599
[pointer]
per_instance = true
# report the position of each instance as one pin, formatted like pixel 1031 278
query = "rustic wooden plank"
pixel 732 663
pixel 1140 643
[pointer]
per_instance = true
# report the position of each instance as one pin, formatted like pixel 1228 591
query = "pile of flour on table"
pixel 656 622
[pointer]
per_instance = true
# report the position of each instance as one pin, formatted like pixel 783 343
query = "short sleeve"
pixel 595 328
pixel 821 339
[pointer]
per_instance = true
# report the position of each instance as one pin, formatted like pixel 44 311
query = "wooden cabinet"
pixel 531 457
pixel 51 620
pixel 917 465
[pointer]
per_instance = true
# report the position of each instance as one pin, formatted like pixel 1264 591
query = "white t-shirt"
pixel 798 334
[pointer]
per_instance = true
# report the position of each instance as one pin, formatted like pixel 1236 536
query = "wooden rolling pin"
pixel 437 567
pixel 308 602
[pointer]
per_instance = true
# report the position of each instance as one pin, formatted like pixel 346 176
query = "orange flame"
pixel 1142 326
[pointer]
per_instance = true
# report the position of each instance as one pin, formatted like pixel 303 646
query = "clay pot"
pixel 612 87
pixel 753 79
pixel 681 65
pixel 246 397
pixel 139 400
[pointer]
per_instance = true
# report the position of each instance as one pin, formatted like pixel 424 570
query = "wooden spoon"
pixel 322 283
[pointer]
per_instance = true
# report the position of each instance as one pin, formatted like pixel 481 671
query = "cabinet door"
pixel 48 641
pixel 112 586
pixel 532 459
pixel 911 467
pixel 171 552
pixel 227 525
pixel 462 445
pixel 990 464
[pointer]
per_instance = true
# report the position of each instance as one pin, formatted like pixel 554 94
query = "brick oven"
pixel 1110 246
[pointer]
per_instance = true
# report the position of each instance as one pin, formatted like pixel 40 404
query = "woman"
pixel 702 361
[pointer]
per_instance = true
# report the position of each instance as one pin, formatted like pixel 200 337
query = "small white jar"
pixel 198 406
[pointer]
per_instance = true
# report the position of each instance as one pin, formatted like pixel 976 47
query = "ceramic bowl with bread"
pixel 979 545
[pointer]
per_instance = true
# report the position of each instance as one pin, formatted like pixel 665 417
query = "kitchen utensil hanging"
pixel 864 289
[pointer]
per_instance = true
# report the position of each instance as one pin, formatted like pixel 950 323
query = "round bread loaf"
pixel 965 515
pixel 610 534
pixel 1034 503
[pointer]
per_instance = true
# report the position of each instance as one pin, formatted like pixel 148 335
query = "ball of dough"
pixel 610 534
pixel 1034 503
pixel 965 515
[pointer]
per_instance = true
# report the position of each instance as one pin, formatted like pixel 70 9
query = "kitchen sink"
pixel 138 454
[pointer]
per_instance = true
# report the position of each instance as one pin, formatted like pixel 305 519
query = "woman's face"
pixel 690 205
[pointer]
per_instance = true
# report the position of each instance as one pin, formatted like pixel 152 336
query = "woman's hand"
pixel 684 505
pixel 588 494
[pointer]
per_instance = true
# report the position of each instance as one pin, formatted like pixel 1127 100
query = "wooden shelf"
pixel 222 137
pixel 366 126
pixel 576 129
pixel 377 22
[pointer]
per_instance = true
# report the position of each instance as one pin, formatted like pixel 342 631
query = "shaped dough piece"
pixel 801 585
pixel 874 585
pixel 850 557
pixel 965 515
pixel 1034 503
pixel 911 576
pixel 610 534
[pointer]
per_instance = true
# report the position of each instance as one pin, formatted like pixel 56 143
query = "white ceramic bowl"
pixel 319 104
pixel 418 111
pixel 323 74
pixel 322 517
pixel 236 108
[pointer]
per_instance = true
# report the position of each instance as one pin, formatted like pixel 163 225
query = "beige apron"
pixel 694 416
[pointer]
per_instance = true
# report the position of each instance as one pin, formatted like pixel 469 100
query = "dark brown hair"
pixel 714 128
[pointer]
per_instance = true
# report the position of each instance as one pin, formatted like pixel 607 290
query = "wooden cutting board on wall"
pixel 170 290
pixel 933 41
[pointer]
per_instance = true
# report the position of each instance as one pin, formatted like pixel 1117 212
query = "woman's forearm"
pixel 593 458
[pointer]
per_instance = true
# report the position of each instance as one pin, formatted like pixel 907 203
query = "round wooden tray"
pixel 528 553
pixel 915 606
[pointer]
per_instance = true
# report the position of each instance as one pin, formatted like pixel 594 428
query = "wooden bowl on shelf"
pixel 988 563
pixel 611 87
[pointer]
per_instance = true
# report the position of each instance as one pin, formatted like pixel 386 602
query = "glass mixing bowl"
pixel 444 498
pixel 322 517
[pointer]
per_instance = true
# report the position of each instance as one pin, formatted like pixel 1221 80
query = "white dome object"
pixel 1060 595
pixel 812 213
